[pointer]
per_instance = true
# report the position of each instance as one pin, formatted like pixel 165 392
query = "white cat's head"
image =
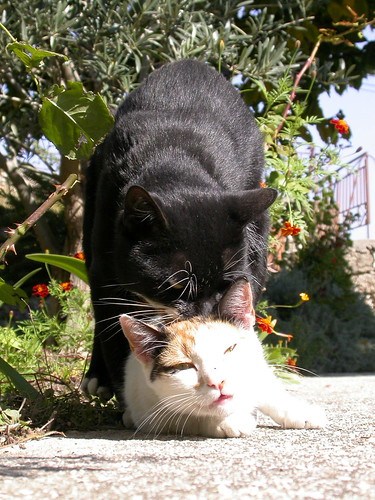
pixel 201 366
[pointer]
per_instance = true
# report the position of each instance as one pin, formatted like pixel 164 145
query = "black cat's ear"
pixel 237 304
pixel 251 204
pixel 144 340
pixel 142 210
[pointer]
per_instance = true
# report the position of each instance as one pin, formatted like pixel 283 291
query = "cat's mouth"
pixel 222 399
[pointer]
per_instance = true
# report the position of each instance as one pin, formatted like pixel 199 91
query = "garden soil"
pixel 337 462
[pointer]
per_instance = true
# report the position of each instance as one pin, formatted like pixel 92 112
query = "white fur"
pixel 184 402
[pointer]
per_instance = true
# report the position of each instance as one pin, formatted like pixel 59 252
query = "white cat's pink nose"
pixel 214 385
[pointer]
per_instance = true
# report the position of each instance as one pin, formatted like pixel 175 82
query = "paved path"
pixel 338 462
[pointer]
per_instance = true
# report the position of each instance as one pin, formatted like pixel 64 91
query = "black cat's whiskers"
pixel 232 262
pixel 142 310
pixel 188 282
pixel 120 285
pixel 170 280
pixel 121 301
pixel 193 281
pixel 257 242
pixel 150 350
pixel 113 326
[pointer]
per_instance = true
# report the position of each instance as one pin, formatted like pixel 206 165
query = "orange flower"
pixel 40 290
pixel 79 255
pixel 66 286
pixel 304 297
pixel 289 229
pixel 291 362
pixel 266 324
pixel 262 184
pixel 340 125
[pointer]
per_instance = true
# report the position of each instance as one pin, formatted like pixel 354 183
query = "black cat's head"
pixel 184 251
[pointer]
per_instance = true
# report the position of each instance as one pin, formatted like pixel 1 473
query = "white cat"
pixel 207 377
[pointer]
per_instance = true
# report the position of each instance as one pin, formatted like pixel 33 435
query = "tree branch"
pixel 293 94
pixel 16 234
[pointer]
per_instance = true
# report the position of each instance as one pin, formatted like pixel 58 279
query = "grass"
pixel 50 351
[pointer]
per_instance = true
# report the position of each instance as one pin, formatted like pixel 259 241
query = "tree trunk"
pixel 42 231
pixel 73 211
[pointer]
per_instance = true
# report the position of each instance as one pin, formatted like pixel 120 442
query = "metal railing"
pixel 351 193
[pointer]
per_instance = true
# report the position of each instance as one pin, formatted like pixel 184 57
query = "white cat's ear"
pixel 142 211
pixel 237 304
pixel 144 340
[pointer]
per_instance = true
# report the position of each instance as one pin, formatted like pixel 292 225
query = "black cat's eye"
pixel 230 349
pixel 177 286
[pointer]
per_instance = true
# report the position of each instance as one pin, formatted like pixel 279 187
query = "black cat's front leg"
pixel 97 381
pixel 105 375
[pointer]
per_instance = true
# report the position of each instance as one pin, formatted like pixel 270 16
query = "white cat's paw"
pixel 304 416
pixel 91 387
pixel 234 427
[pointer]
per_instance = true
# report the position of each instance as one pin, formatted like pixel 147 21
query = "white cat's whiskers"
pixel 177 413
pixel 194 410
pixel 193 404
pixel 168 408
pixel 155 415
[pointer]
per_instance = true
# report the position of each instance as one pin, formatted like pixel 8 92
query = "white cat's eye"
pixel 183 366
pixel 230 349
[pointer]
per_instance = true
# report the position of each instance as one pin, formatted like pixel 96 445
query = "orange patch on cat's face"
pixel 181 340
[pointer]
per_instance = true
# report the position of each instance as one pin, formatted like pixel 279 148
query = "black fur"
pixel 173 194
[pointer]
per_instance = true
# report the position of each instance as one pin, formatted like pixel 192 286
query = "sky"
pixel 358 107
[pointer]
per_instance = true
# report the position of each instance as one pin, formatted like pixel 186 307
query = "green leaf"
pixel 19 382
pixel 70 264
pixel 11 295
pixel 273 177
pixel 31 56
pixel 74 120
pixel 27 277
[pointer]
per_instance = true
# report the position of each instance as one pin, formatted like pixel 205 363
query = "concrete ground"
pixel 337 462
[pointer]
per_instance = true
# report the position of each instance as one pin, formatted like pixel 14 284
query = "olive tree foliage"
pixel 112 45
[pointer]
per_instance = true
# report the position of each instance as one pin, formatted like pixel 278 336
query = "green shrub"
pixel 335 330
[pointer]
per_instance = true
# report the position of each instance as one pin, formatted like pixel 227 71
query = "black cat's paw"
pixel 90 385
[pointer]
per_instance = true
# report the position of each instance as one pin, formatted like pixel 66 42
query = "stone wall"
pixel 361 258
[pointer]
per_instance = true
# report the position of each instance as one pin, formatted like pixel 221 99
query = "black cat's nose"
pixel 208 307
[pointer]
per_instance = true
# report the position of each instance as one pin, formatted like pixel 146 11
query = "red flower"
pixel 79 255
pixel 266 324
pixel 289 229
pixel 340 125
pixel 66 286
pixel 40 290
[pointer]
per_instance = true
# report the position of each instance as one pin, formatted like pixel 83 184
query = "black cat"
pixel 174 212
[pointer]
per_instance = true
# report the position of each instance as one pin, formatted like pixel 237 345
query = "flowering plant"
pixel 267 325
